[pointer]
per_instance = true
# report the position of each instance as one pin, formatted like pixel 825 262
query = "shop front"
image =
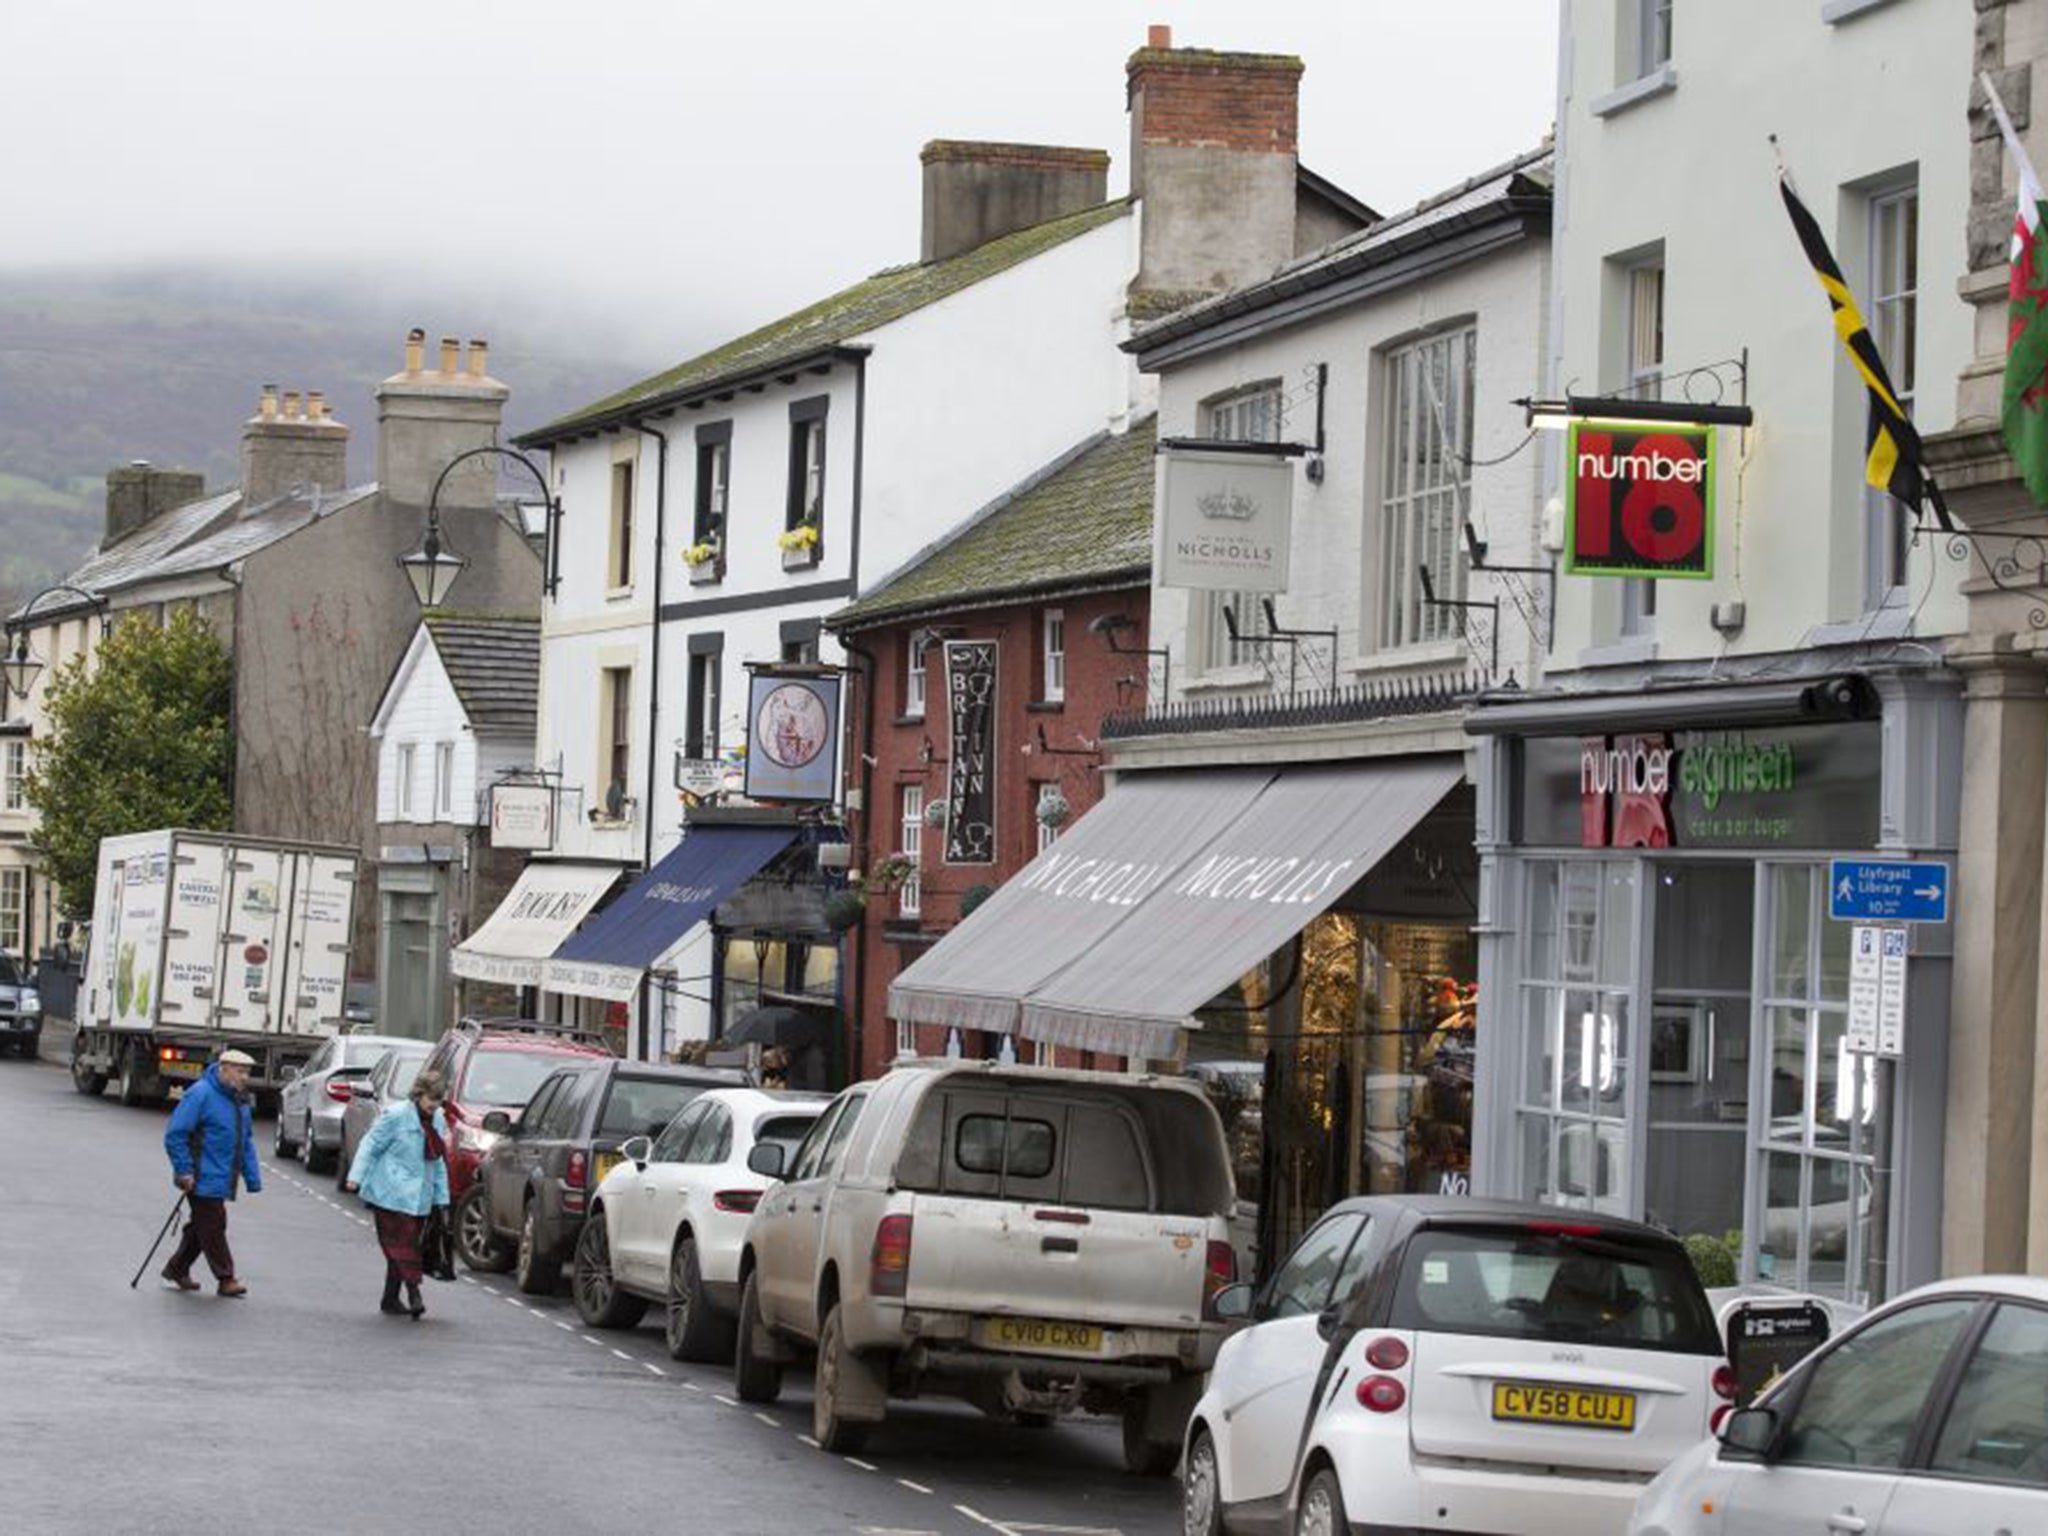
pixel 1666 1027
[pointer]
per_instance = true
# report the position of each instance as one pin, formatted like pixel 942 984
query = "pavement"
pixel 304 1408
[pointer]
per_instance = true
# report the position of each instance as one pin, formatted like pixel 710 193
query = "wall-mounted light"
pixel 1556 415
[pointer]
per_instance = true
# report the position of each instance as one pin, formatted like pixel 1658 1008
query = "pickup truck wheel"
pixel 88 1082
pixel 533 1273
pixel 317 1161
pixel 755 1380
pixel 692 1330
pixel 1201 1502
pixel 599 1301
pixel 833 1432
pixel 1143 1457
pixel 1322 1507
pixel 480 1247
pixel 128 1086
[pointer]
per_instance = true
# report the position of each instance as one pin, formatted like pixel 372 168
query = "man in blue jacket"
pixel 212 1147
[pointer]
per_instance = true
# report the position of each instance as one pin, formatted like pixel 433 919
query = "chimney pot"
pixel 479 349
pixel 316 405
pixel 449 348
pixel 266 407
pixel 415 350
pixel 1157 36
pixel 291 405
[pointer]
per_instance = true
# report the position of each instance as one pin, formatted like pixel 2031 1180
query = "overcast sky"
pixel 660 175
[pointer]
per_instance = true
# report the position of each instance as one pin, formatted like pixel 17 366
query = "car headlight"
pixel 30 1001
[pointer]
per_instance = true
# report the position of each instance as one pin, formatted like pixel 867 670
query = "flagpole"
pixel 2006 130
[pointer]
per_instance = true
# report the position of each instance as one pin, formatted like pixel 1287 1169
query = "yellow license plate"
pixel 606 1162
pixel 1529 1402
pixel 1035 1333
pixel 179 1068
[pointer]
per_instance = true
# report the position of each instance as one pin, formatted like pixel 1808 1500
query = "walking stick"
pixel 169 1222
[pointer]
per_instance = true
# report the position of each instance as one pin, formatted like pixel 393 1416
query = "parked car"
pixel 1453 1364
pixel 668 1223
pixel 1034 1241
pixel 389 1081
pixel 1928 1417
pixel 309 1108
pixel 21 1010
pixel 496 1064
pixel 531 1193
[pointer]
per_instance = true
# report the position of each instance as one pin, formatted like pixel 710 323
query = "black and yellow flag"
pixel 1891 459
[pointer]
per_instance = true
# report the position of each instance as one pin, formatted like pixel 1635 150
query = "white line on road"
pixel 565 1327
pixel 623 1355
pixel 855 1461
pixel 913 1487
pixel 589 1340
pixel 717 1398
pixel 807 1440
pixel 691 1386
pixel 770 1420
pixel 513 1301
pixel 977 1517
pixel 657 1370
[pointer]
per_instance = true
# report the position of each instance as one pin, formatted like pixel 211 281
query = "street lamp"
pixel 22 667
pixel 433 567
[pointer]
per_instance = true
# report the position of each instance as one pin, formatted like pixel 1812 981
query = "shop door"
pixel 412 922
pixel 1696 1051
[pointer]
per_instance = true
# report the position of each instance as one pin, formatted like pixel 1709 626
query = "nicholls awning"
pixel 609 957
pixel 543 907
pixel 1162 897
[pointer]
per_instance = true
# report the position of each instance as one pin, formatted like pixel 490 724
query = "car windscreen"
pixel 405 1069
pixel 505 1079
pixel 1556 1284
pixel 643 1106
pixel 10 974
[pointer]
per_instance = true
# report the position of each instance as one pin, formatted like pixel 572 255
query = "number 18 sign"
pixel 1639 500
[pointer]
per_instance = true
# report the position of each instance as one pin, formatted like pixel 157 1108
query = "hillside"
pixel 100 369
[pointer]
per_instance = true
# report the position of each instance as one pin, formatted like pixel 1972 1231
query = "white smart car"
pixel 1430 1363
pixel 667 1223
pixel 1928 1418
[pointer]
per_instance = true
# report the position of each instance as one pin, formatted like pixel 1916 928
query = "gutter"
pixel 689 396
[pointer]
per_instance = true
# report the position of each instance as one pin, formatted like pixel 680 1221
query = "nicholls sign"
pixel 1640 500
pixel 1222 521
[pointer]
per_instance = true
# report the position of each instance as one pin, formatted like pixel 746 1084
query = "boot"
pixel 413 1304
pixel 390 1302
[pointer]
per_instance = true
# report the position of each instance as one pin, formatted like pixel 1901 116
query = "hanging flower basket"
pixel 936 813
pixel 1053 810
pixel 888 874
pixel 844 910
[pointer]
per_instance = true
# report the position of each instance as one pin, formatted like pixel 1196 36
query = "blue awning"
pixel 610 953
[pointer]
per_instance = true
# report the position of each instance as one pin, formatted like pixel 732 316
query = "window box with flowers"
pixel 706 560
pixel 800 546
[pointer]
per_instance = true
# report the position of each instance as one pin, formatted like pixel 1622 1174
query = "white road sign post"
pixel 1865 980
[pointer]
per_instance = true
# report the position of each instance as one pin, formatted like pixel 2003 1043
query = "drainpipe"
pixel 863 849
pixel 653 698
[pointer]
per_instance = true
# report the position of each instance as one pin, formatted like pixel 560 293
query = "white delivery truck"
pixel 203 941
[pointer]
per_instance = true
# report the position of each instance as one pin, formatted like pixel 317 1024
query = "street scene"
pixel 1077 772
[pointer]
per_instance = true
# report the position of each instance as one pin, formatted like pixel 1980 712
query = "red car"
pixel 496 1064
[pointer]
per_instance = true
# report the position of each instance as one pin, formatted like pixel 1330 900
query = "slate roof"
pixel 125 561
pixel 832 322
pixel 494 663
pixel 1083 520
pixel 258 530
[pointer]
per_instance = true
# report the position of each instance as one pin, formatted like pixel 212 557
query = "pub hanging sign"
pixel 1639 500
pixel 971 775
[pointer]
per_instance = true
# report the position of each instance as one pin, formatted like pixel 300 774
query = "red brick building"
pixel 1055 576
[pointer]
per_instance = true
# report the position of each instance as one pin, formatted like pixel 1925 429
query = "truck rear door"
pixel 252 932
pixel 323 912
pixel 1044 1222
pixel 192 934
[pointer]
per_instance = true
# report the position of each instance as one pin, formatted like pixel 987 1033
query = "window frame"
pixel 805 496
pixel 910 825
pixel 625 489
pixel 405 766
pixel 711 497
pixel 14 795
pixel 1943 1401
pixel 1422 471
pixel 1886 524
pixel 615 746
pixel 916 675
pixel 444 781
pixel 702 691
pixel 1052 655
pixel 1251 413
pixel 1654 36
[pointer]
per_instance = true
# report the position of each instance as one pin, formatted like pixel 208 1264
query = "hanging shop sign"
pixel 1790 786
pixel 1222 521
pixel 971 775
pixel 523 816
pixel 792 736
pixel 1639 500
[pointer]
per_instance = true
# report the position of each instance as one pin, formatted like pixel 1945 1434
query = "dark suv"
pixel 494 1066
pixel 526 1206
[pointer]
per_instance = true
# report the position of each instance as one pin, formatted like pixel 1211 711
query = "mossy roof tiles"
pixel 1084 519
pixel 887 296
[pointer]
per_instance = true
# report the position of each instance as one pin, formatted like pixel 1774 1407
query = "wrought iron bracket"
pixel 1277 634
pixel 2022 569
pixel 1464 608
pixel 1538 611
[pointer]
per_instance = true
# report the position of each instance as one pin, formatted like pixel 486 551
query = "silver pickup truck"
pixel 1033 1241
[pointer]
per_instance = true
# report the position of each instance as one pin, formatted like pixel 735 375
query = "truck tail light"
pixel 1219 1270
pixel 738 1200
pixel 1381 1394
pixel 889 1266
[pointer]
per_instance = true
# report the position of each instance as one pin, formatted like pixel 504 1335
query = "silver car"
pixel 389 1081
pixel 309 1109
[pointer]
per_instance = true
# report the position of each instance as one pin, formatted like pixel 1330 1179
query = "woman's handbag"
pixel 437 1247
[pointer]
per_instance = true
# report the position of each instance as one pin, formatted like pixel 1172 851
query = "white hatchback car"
pixel 1424 1363
pixel 1928 1418
pixel 671 1217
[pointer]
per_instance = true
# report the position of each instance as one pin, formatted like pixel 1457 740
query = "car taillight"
pixel 1724 1383
pixel 1388 1354
pixel 1563 1229
pixel 1381 1394
pixel 339 1091
pixel 889 1266
pixel 1219 1270
pixel 740 1200
pixel 577 1173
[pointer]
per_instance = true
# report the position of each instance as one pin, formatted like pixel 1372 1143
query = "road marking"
pixel 565 1327
pixel 469 1279
pixel 691 1386
pixel 715 1397
pixel 807 1440
pixel 589 1340
pixel 978 1518
pixel 865 1466
pixel 623 1355
pixel 769 1419
pixel 913 1487
pixel 657 1370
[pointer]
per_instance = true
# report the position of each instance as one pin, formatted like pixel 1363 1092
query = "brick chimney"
pixel 1213 166
pixel 975 192
pixel 140 491
pixel 428 415
pixel 291 443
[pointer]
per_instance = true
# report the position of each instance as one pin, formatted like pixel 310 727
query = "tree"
pixel 138 739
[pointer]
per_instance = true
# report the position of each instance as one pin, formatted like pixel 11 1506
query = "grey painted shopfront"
pixel 1663 996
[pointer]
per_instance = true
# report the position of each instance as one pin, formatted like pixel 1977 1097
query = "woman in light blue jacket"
pixel 401 1171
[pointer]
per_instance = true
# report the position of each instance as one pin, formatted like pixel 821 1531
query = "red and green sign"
pixel 1639 500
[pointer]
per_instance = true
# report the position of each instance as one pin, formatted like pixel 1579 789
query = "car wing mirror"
pixel 498 1123
pixel 1328 1321
pixel 1752 1432
pixel 1233 1304
pixel 638 1149
pixel 766 1160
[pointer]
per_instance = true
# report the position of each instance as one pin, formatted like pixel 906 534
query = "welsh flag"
pixel 2024 412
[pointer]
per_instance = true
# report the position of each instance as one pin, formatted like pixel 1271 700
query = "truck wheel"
pixel 317 1161
pixel 829 1427
pixel 129 1086
pixel 599 1301
pixel 534 1273
pixel 480 1247
pixel 692 1331
pixel 1145 1457
pixel 755 1379
pixel 88 1082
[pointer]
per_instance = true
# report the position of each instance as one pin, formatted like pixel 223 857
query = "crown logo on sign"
pixel 1228 506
